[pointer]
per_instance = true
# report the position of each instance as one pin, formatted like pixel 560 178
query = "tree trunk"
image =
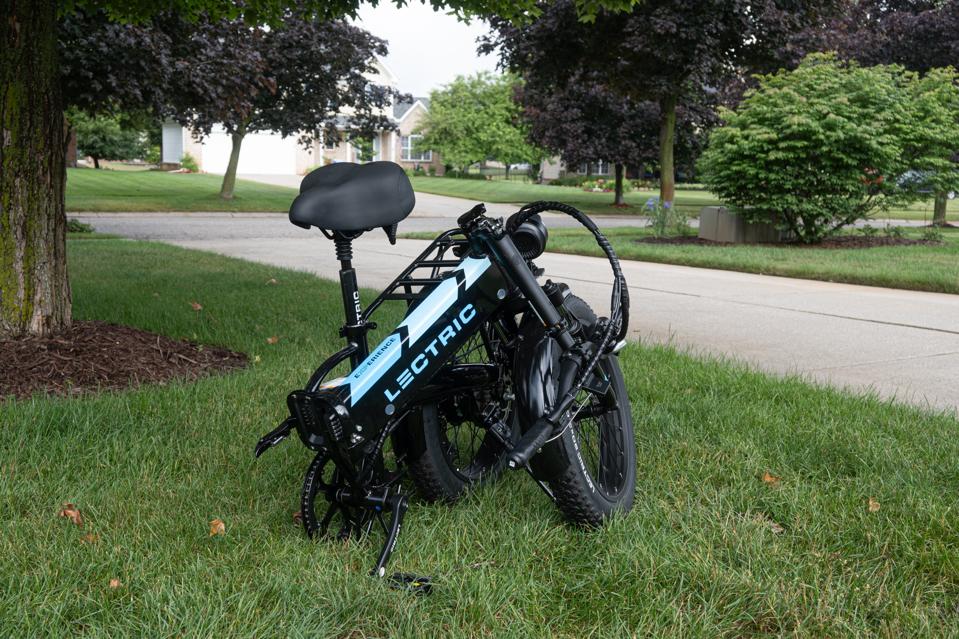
pixel 34 290
pixel 618 197
pixel 72 149
pixel 667 131
pixel 507 172
pixel 229 178
pixel 939 210
pixel 96 162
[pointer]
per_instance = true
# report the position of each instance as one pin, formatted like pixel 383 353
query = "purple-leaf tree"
pixel 34 289
pixel 661 51
pixel 586 122
pixel 314 71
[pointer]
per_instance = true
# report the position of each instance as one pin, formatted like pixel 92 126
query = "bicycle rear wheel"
pixel 456 448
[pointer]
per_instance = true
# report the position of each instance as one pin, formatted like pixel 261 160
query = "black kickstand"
pixel 397 505
pixel 401 581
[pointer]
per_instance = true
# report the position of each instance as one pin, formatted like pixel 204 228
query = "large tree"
pixel 315 72
pixel 586 122
pixel 34 290
pixel 473 119
pixel 661 51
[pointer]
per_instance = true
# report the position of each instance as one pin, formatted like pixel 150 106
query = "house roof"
pixel 400 109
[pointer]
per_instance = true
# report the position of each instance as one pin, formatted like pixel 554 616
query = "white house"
pixel 269 153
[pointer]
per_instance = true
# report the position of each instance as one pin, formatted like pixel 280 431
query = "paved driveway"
pixel 901 344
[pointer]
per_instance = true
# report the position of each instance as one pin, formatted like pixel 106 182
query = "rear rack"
pixel 424 272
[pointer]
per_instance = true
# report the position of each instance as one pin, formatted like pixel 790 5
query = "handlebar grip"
pixel 529 444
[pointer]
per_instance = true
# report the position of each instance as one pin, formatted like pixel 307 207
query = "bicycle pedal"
pixel 416 584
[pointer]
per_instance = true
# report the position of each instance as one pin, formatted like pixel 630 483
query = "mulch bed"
pixel 839 242
pixel 96 356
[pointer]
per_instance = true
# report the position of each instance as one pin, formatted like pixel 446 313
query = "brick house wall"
pixel 406 135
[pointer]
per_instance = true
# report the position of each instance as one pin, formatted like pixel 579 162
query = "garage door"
pixel 259 153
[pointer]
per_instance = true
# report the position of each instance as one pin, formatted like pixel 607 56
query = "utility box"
pixel 718 224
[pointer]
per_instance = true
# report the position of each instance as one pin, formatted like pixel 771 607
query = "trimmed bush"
pixel 189 163
pixel 832 142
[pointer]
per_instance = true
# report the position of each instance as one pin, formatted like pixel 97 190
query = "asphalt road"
pixel 900 344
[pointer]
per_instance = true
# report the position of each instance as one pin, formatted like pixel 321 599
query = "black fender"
pixel 536 378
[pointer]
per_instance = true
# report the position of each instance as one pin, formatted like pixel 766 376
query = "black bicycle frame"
pixel 384 382
pixel 346 414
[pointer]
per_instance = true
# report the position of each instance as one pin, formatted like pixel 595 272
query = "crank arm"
pixel 398 506
pixel 274 437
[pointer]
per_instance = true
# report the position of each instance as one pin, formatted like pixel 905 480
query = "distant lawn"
pixel 132 190
pixel 922 268
pixel 687 200
pixel 710 549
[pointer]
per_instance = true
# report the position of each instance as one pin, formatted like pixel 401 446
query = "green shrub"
pixel 106 137
pixel 153 155
pixel 76 226
pixel 831 142
pixel 189 163
pixel 605 185
pixel 569 180
pixel 462 175
pixel 665 219
pixel 896 232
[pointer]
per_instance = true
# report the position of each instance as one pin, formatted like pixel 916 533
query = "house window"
pixel 595 168
pixel 410 153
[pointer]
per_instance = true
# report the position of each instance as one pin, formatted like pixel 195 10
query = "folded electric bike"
pixel 487 370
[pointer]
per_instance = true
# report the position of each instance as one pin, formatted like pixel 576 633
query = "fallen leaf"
pixel 272 280
pixel 873 505
pixel 196 306
pixel 72 513
pixel 217 527
pixel 90 538
pixel 272 340
pixel 256 359
pixel 298 518
pixel 776 529
pixel 770 479
pixel 156 295
pixel 115 583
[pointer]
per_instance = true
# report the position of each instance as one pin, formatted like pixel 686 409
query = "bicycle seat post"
pixel 355 328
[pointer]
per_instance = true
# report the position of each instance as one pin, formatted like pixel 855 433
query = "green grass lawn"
pixel 108 190
pixel 921 268
pixel 688 200
pixel 698 556
pixel 134 189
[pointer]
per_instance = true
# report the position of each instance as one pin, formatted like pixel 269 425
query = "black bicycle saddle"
pixel 353 197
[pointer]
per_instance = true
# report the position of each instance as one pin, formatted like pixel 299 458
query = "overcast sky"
pixel 427 48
